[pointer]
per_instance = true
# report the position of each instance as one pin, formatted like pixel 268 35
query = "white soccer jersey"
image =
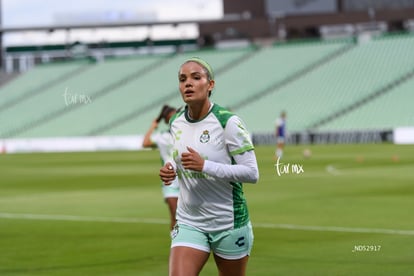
pixel 164 142
pixel 208 202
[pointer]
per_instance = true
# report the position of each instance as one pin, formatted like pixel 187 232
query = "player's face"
pixel 193 82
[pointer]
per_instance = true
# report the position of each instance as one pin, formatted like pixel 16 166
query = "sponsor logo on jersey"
pixel 190 174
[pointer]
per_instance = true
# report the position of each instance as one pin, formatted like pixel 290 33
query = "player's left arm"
pixel 241 149
pixel 245 169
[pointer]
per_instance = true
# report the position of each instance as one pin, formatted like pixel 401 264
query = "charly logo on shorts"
pixel 240 242
pixel 205 137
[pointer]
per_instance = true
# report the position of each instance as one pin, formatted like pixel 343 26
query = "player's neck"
pixel 197 112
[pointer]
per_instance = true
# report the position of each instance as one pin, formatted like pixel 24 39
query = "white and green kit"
pixel 212 200
pixel 164 141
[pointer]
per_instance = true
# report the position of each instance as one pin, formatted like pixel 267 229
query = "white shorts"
pixel 230 244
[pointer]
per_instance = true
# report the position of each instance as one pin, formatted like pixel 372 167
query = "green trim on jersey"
pixel 189 119
pixel 240 211
pixel 241 150
pixel 222 114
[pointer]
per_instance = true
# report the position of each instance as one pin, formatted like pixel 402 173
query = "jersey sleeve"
pixel 164 144
pixel 155 137
pixel 245 169
pixel 237 137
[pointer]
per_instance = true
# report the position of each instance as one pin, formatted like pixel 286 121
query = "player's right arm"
pixel 167 173
pixel 147 142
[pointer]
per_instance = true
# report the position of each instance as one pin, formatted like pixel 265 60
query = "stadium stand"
pixel 126 101
pixel 343 81
pixel 322 85
pixel 269 67
pixel 75 92
pixel 385 112
pixel 36 81
pixel 6 77
pixel 137 119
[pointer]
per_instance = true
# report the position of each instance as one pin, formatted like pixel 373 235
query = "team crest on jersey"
pixel 205 137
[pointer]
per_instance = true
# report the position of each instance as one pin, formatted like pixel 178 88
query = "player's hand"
pixel 192 160
pixel 167 173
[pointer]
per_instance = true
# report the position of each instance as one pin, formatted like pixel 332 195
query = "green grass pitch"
pixel 349 212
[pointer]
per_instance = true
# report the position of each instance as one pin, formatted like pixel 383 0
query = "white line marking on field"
pixel 81 218
pixel 164 221
pixel 336 229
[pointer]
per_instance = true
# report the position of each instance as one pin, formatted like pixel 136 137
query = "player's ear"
pixel 212 83
pixel 211 86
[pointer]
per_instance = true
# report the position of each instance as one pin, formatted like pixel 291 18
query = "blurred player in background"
pixel 212 156
pixel 163 141
pixel 280 134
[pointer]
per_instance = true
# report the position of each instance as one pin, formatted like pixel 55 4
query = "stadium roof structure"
pixel 225 19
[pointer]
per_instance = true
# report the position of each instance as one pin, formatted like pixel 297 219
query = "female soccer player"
pixel 212 155
pixel 280 134
pixel 163 141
